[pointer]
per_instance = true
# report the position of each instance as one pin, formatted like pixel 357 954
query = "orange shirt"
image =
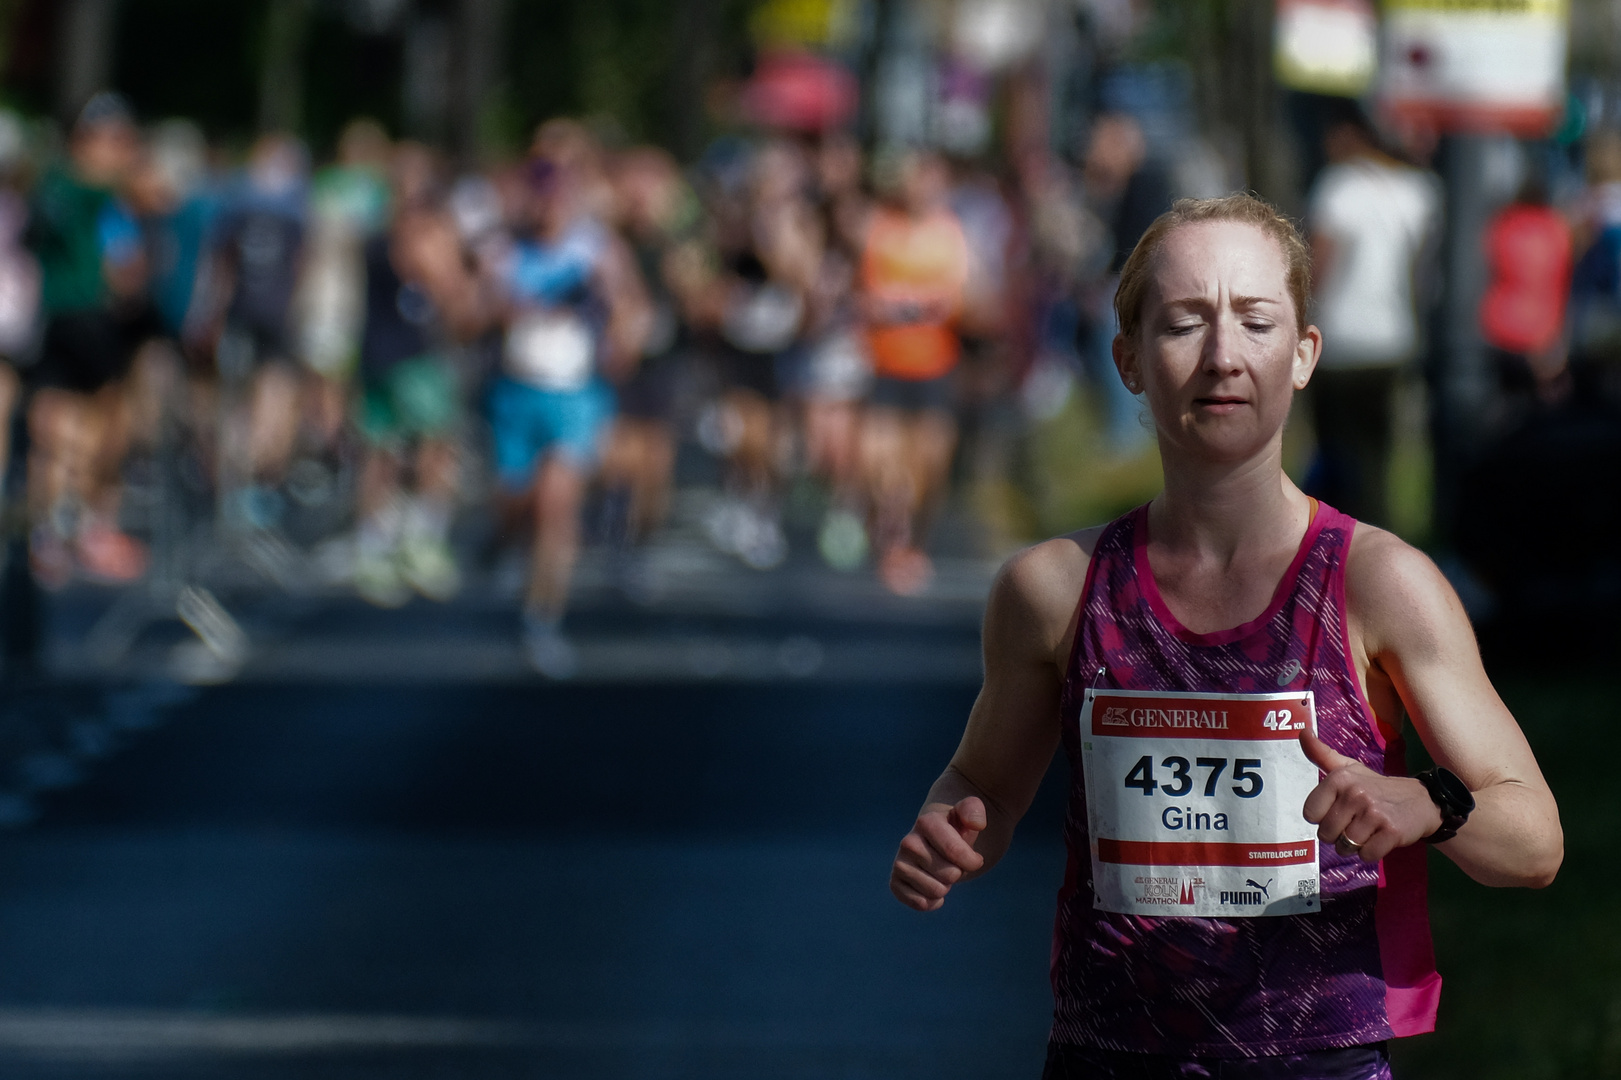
pixel 922 261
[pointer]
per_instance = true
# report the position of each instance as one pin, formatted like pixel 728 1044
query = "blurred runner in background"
pixel 836 374
pixel 421 298
pixel 659 215
pixel 1370 217
pixel 19 289
pixel 177 206
pixel 914 270
pixel 771 253
pixel 349 202
pixel 577 317
pixel 94 296
pixel 258 254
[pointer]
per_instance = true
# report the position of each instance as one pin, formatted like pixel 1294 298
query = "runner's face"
pixel 1217 354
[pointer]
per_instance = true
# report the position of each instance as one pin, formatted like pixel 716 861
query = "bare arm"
pixel 630 314
pixel 967 822
pixel 1421 656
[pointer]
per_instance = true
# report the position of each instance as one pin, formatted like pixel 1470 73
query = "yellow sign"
pixel 803 23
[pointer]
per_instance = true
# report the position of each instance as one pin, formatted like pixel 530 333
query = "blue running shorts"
pixel 528 423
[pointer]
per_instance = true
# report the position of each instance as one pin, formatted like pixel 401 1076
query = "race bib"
pixel 763 320
pixel 550 350
pixel 1194 802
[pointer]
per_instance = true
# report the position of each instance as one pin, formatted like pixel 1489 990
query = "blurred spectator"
pixel 257 259
pixel 577 318
pixel 1595 290
pixel 1522 315
pixel 421 296
pixel 1370 217
pixel 94 279
pixel 914 271
pixel 1127 190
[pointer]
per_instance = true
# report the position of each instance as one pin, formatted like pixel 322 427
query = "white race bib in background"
pixel 550 350
pixel 763 319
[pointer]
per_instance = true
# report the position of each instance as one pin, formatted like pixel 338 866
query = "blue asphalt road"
pixel 464 881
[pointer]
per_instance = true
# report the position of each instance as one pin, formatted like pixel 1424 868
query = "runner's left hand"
pixel 1381 813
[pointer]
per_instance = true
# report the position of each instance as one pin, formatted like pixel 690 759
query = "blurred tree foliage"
pixel 639 66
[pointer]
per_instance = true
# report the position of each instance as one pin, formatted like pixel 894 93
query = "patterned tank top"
pixel 1362 969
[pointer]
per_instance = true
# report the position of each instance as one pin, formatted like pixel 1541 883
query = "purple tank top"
pixel 1360 970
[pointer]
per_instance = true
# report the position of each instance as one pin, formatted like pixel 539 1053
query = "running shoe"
pixel 51 558
pixel 257 506
pixel 764 545
pixel 429 567
pixel 842 540
pixel 108 556
pixel 378 580
pixel 727 524
pixel 548 651
pixel 905 571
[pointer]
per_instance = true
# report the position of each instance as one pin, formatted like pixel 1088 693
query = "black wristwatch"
pixel 1452 796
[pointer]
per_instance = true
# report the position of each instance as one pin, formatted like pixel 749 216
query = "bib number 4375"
pixel 1180 782
pixel 1194 803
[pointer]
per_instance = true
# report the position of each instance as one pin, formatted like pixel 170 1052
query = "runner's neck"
pixel 1219 521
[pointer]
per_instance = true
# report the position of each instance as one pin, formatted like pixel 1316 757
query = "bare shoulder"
pixel 1395 594
pixel 1034 597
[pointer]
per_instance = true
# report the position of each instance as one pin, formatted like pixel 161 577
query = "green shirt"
pixel 64 231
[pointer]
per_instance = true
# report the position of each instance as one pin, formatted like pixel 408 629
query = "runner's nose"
pixel 1221 355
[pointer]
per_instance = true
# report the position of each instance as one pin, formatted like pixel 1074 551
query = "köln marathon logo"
pixel 1176 891
pixel 1179 891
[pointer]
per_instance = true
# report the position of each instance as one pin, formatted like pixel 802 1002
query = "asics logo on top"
pixel 1290 670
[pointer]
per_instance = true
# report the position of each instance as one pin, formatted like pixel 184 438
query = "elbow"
pixel 1538 868
pixel 1545 866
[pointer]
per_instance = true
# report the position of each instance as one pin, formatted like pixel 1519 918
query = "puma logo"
pixel 1265 889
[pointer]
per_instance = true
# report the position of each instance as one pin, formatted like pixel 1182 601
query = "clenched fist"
pixel 938 853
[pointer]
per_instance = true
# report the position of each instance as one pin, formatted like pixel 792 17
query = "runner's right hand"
pixel 938 853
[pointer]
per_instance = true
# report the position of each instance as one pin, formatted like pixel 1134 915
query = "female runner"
pixel 1305 943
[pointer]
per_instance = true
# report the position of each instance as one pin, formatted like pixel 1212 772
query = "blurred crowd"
pixel 539 340
pixel 399 342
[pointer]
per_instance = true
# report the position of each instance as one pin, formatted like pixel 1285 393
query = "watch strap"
pixel 1451 796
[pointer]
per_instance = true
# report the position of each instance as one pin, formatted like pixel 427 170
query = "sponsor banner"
pixel 1475 65
pixel 1151 715
pixel 1194 802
